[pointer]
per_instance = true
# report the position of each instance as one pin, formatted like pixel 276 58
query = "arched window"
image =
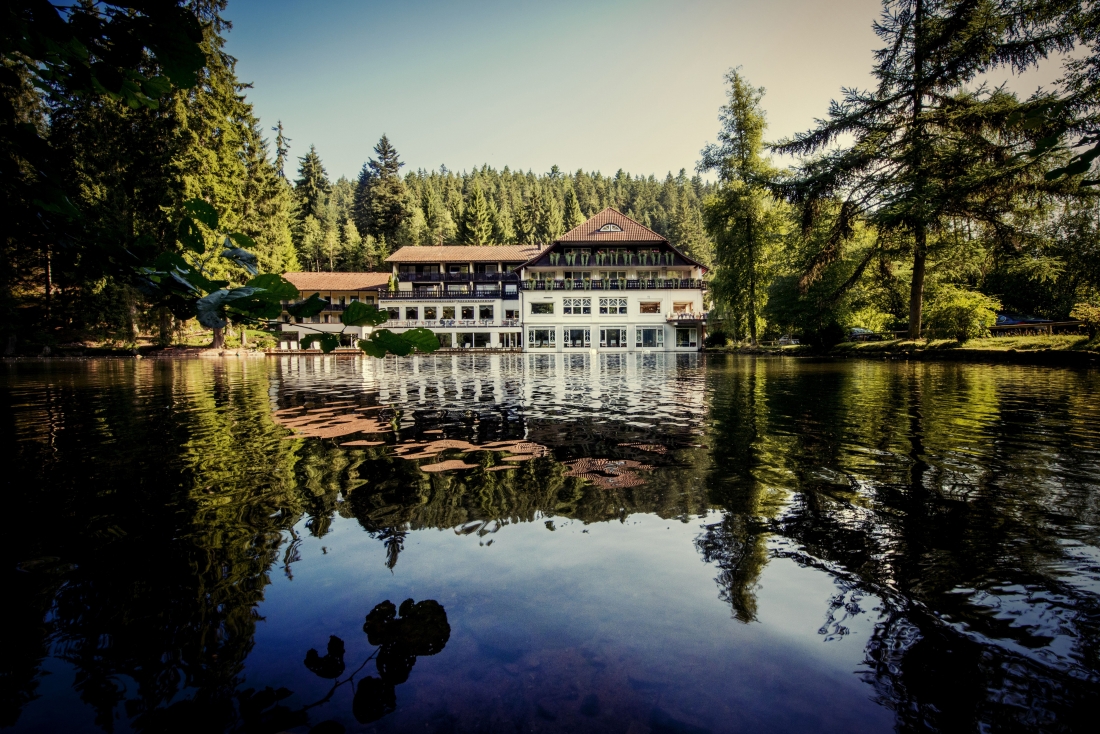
pixel 610 228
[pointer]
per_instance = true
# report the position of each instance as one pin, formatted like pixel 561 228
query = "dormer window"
pixel 610 228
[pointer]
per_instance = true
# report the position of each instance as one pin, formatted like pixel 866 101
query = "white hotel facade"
pixel 609 285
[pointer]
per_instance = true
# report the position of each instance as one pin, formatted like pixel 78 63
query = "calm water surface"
pixel 637 543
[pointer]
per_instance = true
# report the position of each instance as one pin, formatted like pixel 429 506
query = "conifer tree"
pixel 361 203
pixel 386 195
pixel 477 222
pixel 925 151
pixel 312 187
pixel 574 217
pixel 504 230
pixel 743 218
pixel 282 149
pixel 548 223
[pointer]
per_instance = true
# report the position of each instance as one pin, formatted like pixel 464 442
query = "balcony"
pixel 615 285
pixel 458 277
pixel 687 319
pixel 450 324
pixel 434 294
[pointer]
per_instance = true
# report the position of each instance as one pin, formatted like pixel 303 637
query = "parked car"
pixel 859 334
pixel 786 341
pixel 1011 319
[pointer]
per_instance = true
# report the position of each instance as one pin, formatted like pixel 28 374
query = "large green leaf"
pixel 275 287
pixel 190 236
pixel 242 240
pixel 257 308
pixel 372 349
pixel 327 341
pixel 393 343
pixel 202 211
pixel 244 258
pixel 423 339
pixel 362 314
pixel 309 307
pixel 210 310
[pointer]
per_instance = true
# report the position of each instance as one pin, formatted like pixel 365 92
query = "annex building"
pixel 610 284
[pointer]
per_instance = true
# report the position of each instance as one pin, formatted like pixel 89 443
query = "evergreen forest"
pixel 927 203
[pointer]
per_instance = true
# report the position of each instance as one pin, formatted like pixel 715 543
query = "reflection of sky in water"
pixel 757 545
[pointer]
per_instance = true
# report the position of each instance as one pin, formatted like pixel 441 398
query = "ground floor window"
pixel 445 340
pixel 465 339
pixel 540 338
pixel 613 338
pixel 686 338
pixel 649 337
pixel 482 339
pixel 578 337
pixel 511 339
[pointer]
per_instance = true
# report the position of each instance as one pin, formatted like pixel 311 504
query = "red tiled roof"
pixel 630 231
pixel 463 253
pixel 314 282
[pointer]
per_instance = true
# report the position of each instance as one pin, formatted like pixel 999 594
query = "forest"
pixel 928 203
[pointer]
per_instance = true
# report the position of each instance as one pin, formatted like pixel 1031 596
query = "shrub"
pixel 716 339
pixel 962 315
pixel 1090 314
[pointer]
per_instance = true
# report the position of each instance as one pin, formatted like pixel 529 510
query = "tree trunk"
pixel 219 339
pixel 752 284
pixel 916 290
pixel 49 287
pixel 244 336
pixel 164 335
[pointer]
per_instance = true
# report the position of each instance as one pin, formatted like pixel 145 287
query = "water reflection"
pixel 953 508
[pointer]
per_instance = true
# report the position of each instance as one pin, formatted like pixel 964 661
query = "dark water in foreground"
pixel 676 545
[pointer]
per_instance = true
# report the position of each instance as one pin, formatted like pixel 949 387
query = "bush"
pixel 825 337
pixel 1090 314
pixel 716 339
pixel 962 315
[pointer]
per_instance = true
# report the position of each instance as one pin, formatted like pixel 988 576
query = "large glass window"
pixel 612 305
pixel 612 274
pixel 540 338
pixel 613 338
pixel 542 308
pixel 576 306
pixel 465 340
pixel 468 313
pixel 686 338
pixel 482 339
pixel 429 313
pixel 448 312
pixel 578 337
pixel 445 340
pixel 649 337
pixel 485 313
pixel 649 307
pixel 394 312
pixel 411 313
pixel 578 274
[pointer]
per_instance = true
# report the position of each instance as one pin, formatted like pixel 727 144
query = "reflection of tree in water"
pixel 977 626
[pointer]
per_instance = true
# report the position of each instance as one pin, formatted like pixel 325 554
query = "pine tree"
pixel 924 150
pixel 477 221
pixel 743 217
pixel 282 149
pixel 504 230
pixel 312 187
pixel 361 203
pixel 574 217
pixel 386 195
pixel 548 224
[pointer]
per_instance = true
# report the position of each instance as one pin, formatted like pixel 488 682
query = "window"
pixel 411 313
pixel 482 339
pixel 612 274
pixel 578 274
pixel 649 274
pixel 465 340
pixel 649 307
pixel 612 305
pixel 485 313
pixel 540 338
pixel 394 312
pixel 610 228
pixel 368 299
pixel 686 338
pixel 445 340
pixel 354 299
pixel 681 307
pixel 542 308
pixel 576 306
pixel 613 338
pixel 649 337
pixel 578 337
pixel 343 301
pixel 511 313
pixel 485 267
pixel 429 313
pixel 448 312
pixel 468 313
pixel 458 268
pixel 677 274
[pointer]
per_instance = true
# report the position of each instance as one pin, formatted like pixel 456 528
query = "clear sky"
pixel 598 84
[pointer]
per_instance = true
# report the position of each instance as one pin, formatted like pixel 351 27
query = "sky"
pixel 600 85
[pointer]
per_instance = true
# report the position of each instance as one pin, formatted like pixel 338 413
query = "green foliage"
pixel 383 341
pixel 1089 313
pixel 362 314
pixel 961 314
pixel 477 221
pixel 312 187
pixel 327 341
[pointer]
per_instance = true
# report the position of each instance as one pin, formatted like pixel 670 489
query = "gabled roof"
pixel 463 253
pixel 314 282
pixel 610 225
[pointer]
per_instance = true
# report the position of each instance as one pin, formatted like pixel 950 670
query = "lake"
pixel 634 543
